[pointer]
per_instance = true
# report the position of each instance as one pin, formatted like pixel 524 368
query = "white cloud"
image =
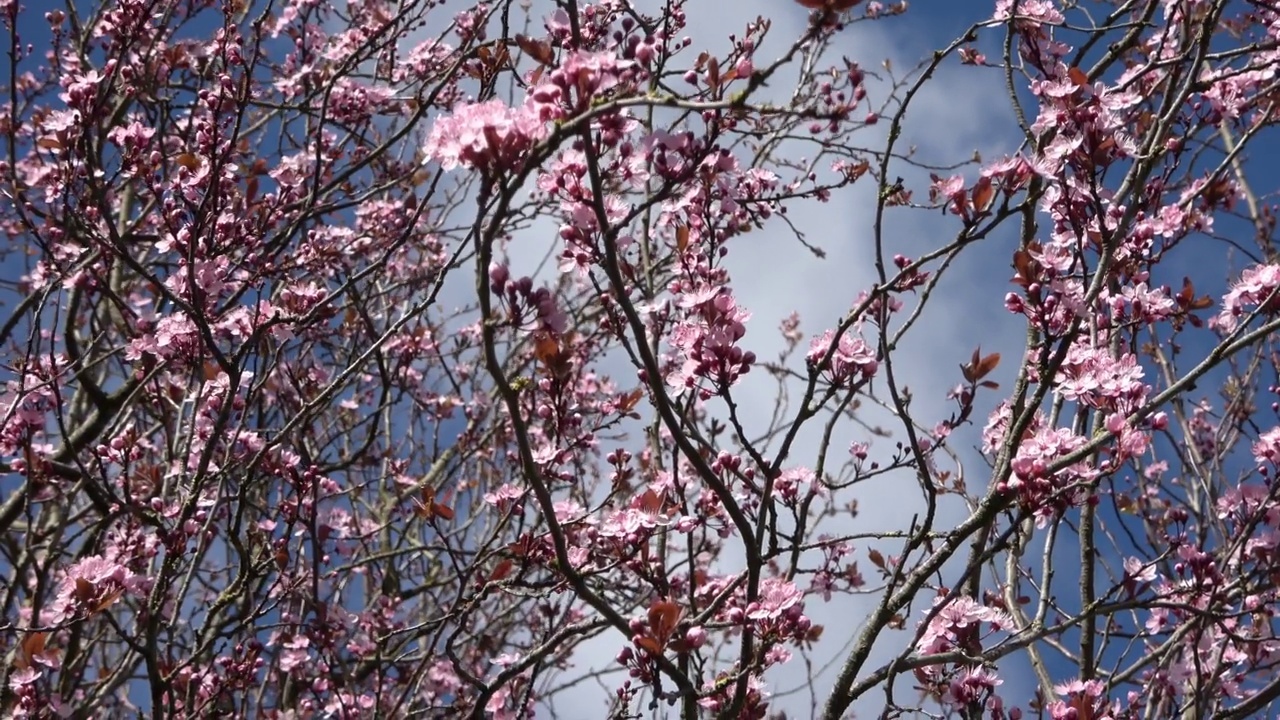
pixel 962 109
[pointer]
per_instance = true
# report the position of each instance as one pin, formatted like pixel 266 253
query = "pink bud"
pixel 695 637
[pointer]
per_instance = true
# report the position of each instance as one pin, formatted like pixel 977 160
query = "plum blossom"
pixel 295 654
pixel 507 497
pixel 174 336
pixel 1255 286
pixel 1086 698
pixel 775 598
pixel 487 136
pixel 1094 377
pixel 91 585
pixel 1039 489
pixel 957 626
pixel 720 695
pixel 644 516
pixel 971 685
pixel 787 486
pixel 851 356
pixel 1267 448
pixel 1029 13
pixel 581 79
pixel 708 340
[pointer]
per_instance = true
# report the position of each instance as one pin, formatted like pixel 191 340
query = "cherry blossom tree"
pixel 393 358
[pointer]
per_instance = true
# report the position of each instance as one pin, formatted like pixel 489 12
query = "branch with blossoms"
pixel 382 360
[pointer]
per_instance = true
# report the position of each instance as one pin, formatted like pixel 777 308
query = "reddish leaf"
pixel 522 547
pixel 1187 297
pixel 628 402
pixel 1217 191
pixel 1188 290
pixel 84 590
pixel 188 161
pixel 1024 266
pixel 877 558
pixel 211 370
pixel 979 367
pixel 31 646
pixel 501 570
pixel 987 364
pixel 664 615
pixel 423 508
pixel 428 508
pixel 650 501
pixel 983 194
pixel 537 49
pixel 856 170
pixel 682 238
pixel 648 644
pixel 545 348
pixel 107 601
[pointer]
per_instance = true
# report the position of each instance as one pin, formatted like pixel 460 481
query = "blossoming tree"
pixel 386 359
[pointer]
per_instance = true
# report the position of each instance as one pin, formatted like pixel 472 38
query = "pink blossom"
pixel 487 136
pixel 1255 286
pixel 1094 377
pixel 957 626
pixel 776 596
pixel 296 653
pixel 91 585
pixel 1267 448
pixel 1029 13
pixel 787 486
pixel 971 685
pixel 851 356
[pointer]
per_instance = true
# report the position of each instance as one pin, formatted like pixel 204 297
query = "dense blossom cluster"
pixel 849 356
pixel 485 136
pixel 352 373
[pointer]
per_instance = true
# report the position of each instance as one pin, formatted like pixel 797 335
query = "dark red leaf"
pixel 877 558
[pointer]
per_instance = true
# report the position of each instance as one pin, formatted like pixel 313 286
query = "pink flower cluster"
pixel 851 359
pixel 91 585
pixel 1256 288
pixel 1037 487
pixel 1095 377
pixel 958 626
pixel 581 79
pixel 708 341
pixel 489 136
